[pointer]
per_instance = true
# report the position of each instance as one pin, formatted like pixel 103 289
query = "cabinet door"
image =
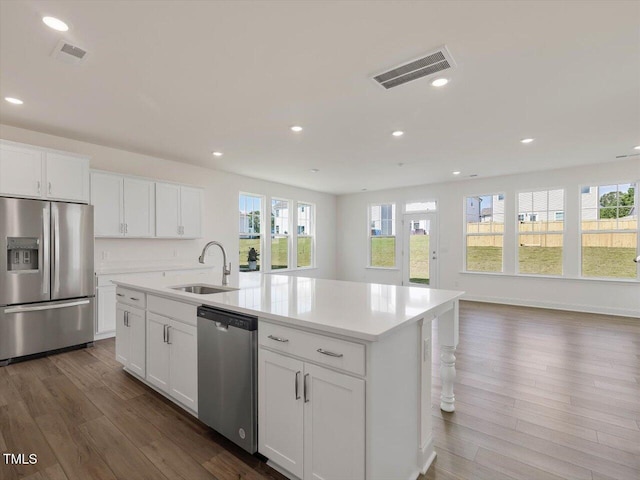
pixel 137 330
pixel 106 198
pixel 167 210
pixel 123 336
pixel 184 363
pixel 20 171
pixel 157 352
pixel 334 423
pixel 191 212
pixel 106 309
pixel 67 178
pixel 280 410
pixel 139 206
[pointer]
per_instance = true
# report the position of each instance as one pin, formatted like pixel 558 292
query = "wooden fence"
pixel 528 235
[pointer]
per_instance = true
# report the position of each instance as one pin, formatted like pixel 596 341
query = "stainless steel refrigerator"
pixel 47 285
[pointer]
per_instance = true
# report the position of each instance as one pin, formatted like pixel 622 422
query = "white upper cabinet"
pixel 123 206
pixel 191 212
pixel 139 207
pixel 107 200
pixel 20 171
pixel 67 177
pixel 178 211
pixel 167 210
pixel 33 172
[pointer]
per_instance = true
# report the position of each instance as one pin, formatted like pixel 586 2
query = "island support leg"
pixel 448 340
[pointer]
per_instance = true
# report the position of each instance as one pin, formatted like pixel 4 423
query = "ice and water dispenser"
pixel 22 253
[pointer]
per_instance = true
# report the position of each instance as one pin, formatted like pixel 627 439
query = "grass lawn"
pixel 484 259
pixel 279 252
pixel 383 253
pixel 608 262
pixel 540 260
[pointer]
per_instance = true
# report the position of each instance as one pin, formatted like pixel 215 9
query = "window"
pixel 484 222
pixel 609 226
pixel 280 228
pixel 250 207
pixel 305 235
pixel 420 207
pixel 382 236
pixel 540 232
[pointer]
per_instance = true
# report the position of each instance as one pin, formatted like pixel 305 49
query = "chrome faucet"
pixel 225 271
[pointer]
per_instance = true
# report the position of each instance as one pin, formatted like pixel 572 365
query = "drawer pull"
pixel 279 339
pixel 120 294
pixel 331 354
pixel 135 299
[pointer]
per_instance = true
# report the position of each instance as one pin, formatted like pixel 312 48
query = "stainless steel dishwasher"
pixel 227 374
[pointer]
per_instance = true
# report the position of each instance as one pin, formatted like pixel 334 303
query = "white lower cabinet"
pixel 106 309
pixel 172 361
pixel 130 338
pixel 312 419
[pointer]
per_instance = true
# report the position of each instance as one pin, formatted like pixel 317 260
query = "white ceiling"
pixel 179 79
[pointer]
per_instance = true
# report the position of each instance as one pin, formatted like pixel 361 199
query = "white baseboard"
pixel 623 312
pixel 102 336
pixel 428 455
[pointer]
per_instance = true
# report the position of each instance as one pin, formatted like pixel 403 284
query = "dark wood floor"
pixel 540 394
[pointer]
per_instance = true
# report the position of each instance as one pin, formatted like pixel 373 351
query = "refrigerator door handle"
pixel 46 273
pixel 37 308
pixel 55 244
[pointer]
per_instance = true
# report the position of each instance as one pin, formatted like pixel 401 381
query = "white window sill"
pixel 554 277
pixel 392 269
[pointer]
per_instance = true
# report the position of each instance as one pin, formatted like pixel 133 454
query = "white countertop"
pixel 359 310
pixel 129 268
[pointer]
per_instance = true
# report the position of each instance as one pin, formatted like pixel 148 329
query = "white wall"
pixel 615 297
pixel 220 207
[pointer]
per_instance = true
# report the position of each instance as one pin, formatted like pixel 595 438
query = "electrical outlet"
pixel 105 254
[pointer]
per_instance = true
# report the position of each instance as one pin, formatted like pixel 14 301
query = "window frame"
pixel 636 199
pixel 312 235
pixel 466 234
pixel 262 243
pixel 289 236
pixel 395 237
pixel 546 232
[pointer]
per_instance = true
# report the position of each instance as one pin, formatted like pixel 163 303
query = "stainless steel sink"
pixel 203 289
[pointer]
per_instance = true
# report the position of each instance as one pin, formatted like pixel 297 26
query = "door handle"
pixel 297 380
pixel 46 265
pixel 38 308
pixel 278 339
pixel 49 188
pixel 168 336
pixel 304 388
pixel 38 186
pixel 164 334
pixel 330 354
pixel 126 319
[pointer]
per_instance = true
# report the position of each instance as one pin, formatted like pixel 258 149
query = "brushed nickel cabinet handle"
pixel 120 294
pixel 278 339
pixel 135 299
pixel 330 354
pixel 168 336
pixel 49 188
pixel 304 387
pixel 297 380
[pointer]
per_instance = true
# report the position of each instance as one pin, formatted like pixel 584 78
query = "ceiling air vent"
pixel 425 66
pixel 69 53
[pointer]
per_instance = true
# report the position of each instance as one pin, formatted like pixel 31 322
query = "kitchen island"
pixel 362 352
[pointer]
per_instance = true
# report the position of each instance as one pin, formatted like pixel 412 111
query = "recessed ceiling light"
pixel 457 172
pixel 217 154
pixel 527 140
pixel 296 128
pixel 55 23
pixel 440 82
pixel 397 133
pixel 15 101
pixel 314 170
pixel 637 147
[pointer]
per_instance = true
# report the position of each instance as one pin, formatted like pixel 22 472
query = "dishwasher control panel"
pixel 228 318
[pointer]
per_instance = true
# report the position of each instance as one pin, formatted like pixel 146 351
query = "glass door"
pixel 420 250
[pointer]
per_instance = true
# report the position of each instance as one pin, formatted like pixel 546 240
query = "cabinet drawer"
pixel 340 354
pixel 131 297
pixel 182 312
